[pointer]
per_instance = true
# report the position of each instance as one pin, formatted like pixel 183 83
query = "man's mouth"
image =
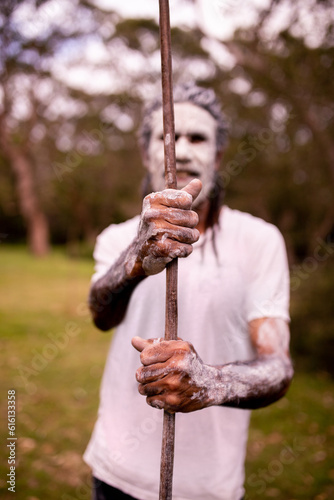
pixel 185 174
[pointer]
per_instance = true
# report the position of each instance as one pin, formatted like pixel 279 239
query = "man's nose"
pixel 182 149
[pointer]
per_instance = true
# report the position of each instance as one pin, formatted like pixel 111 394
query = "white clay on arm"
pixel 259 382
pixel 175 378
pixel 166 230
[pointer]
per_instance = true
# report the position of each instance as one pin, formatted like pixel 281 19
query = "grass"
pixel 291 444
pixel 54 358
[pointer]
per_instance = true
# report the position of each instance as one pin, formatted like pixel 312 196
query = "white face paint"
pixel 195 148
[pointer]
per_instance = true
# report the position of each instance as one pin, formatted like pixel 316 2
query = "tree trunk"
pixel 35 219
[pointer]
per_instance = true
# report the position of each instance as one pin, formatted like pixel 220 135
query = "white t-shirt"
pixel 217 296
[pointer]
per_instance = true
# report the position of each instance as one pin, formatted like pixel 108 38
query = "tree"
pixel 85 72
pixel 15 146
pixel 295 81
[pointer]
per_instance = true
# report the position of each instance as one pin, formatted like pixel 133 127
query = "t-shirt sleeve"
pixel 268 291
pixel 110 244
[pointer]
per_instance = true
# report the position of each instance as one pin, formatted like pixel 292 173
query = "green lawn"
pixel 54 358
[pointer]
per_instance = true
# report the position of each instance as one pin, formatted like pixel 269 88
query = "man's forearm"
pixel 166 231
pixel 174 377
pixel 251 385
pixel 110 295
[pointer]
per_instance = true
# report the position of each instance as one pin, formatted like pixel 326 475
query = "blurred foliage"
pixel 79 142
pixel 312 327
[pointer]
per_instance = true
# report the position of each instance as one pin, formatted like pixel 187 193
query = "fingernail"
pixel 157 404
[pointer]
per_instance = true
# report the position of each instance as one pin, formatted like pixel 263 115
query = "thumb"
pixel 140 344
pixel 193 188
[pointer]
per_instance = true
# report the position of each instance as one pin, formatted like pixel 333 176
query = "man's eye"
pixel 161 137
pixel 196 138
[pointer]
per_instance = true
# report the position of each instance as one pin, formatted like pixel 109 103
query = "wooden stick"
pixel 167 95
pixel 168 435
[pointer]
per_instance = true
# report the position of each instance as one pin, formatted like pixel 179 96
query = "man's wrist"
pixel 215 385
pixel 133 267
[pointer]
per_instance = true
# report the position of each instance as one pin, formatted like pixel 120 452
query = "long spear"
pixel 168 433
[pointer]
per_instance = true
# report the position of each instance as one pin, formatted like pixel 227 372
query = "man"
pixel 233 321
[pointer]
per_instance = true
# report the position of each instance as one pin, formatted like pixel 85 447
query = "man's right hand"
pixel 166 229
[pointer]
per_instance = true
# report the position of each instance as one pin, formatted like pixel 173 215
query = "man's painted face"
pixel 195 148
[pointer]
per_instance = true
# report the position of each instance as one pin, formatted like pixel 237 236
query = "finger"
pixel 175 216
pixel 169 386
pixel 181 234
pixel 162 351
pixel 140 344
pixel 161 403
pixel 174 198
pixel 193 188
pixel 151 373
pixel 156 353
pixel 156 402
pixel 184 218
pixel 153 389
pixel 170 249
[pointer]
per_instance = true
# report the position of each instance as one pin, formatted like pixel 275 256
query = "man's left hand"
pixel 173 377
